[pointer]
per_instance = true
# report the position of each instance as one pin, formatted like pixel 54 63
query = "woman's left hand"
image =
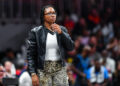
pixel 56 28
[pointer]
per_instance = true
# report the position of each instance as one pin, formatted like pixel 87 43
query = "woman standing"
pixel 45 51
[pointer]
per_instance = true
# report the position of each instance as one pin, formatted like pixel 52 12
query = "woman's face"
pixel 49 15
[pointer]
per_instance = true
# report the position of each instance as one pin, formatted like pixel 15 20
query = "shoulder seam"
pixel 36 28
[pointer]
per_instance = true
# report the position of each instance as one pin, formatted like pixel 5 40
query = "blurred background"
pixel 94 25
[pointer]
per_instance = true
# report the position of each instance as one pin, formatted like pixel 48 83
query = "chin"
pixel 53 22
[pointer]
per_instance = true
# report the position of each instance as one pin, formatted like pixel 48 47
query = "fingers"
pixel 35 80
pixel 35 83
pixel 55 27
pixel 38 83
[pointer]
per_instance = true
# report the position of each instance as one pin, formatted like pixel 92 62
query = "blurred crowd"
pixel 95 61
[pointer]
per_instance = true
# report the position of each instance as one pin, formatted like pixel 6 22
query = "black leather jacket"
pixel 36 45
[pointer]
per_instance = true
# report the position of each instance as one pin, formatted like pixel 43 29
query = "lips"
pixel 53 19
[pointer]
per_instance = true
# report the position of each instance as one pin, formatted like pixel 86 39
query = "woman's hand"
pixel 35 80
pixel 56 27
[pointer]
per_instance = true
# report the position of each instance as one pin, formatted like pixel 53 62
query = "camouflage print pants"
pixel 53 74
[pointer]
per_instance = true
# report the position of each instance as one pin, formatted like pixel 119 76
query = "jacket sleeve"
pixel 66 40
pixel 31 51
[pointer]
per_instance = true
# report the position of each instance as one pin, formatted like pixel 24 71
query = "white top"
pixel 25 79
pixel 99 78
pixel 13 70
pixel 110 65
pixel 52 49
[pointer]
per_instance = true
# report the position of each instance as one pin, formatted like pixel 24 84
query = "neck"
pixel 48 25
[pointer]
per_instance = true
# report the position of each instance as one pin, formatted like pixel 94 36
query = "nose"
pixel 53 15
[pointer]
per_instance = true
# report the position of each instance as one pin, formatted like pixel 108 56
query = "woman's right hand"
pixel 35 80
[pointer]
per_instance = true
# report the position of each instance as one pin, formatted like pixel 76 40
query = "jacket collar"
pixel 47 30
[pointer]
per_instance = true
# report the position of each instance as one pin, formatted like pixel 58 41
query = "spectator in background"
pixel 74 17
pixel 117 28
pixel 71 76
pixel 25 79
pixel 100 41
pixel 93 41
pixel 82 63
pixel 10 69
pixel 2 74
pixel 112 44
pixel 97 75
pixel 78 45
pixel 19 68
pixel 107 15
pixel 116 80
pixel 10 56
pixel 79 27
pixel 108 62
pixel 77 40
pixel 93 44
pixel 93 18
pixel 106 29
pixel 113 48
pixel 69 24
pixel 85 37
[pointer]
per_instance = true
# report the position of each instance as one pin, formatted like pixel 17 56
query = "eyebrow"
pixel 50 12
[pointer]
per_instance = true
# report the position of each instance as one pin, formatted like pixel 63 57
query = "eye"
pixel 54 13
